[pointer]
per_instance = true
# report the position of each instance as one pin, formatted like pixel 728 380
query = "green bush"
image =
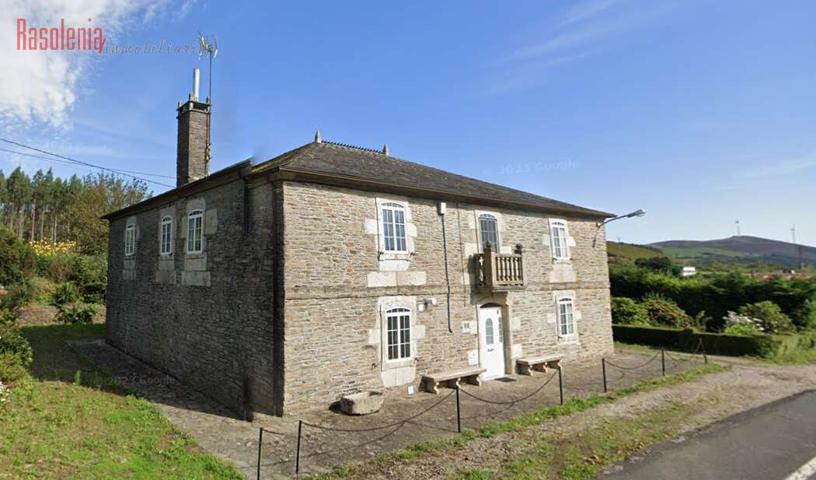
pixel 16 258
pixel 41 289
pixel 626 311
pixel 775 347
pixel 66 293
pixel 770 316
pixel 18 296
pixel 76 313
pixel 12 342
pixel 659 264
pixel 665 312
pixel 742 330
pixel 719 293
pixel 7 317
pixel 11 369
pixel 88 272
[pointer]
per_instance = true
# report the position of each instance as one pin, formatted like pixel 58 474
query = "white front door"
pixel 491 345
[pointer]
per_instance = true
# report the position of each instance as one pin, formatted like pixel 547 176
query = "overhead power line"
pixel 53 156
pixel 65 162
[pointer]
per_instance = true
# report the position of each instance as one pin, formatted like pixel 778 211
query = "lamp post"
pixel 637 213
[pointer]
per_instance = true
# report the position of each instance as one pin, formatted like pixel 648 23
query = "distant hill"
pixel 740 250
pixel 629 252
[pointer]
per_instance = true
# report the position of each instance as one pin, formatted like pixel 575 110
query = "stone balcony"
pixel 500 272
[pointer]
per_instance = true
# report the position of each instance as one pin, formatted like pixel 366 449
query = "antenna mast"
pixel 209 47
pixel 738 227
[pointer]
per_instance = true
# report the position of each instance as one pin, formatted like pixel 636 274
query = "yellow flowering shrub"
pixel 44 248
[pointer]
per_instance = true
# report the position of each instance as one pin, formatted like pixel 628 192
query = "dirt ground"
pixel 330 438
pixel 745 386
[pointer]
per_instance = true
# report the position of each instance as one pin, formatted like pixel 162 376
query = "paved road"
pixel 767 443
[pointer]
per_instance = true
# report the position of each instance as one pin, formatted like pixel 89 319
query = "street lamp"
pixel 637 213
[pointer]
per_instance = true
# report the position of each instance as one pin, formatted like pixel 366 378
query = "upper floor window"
pixel 393 221
pixel 489 231
pixel 558 239
pixel 166 236
pixel 130 240
pixel 566 317
pixel 195 230
pixel 398 333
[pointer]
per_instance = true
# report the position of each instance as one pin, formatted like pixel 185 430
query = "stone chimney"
pixel 193 147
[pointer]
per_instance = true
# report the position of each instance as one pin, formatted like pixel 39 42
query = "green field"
pixel 69 420
pixel 624 253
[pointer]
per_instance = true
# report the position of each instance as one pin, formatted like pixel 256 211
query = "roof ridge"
pixel 355 147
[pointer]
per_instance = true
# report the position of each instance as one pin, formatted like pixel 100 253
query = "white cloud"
pixel 587 10
pixel 781 168
pixel 583 30
pixel 42 86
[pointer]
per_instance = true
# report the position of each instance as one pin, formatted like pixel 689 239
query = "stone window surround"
pixel 129 261
pixel 162 222
pixel 397 362
pixel 195 271
pixel 568 240
pixel 417 331
pixel 410 231
pixel 559 296
pixel 500 230
pixel 195 214
pixel 130 241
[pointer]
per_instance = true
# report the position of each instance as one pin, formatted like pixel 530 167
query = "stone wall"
pixel 338 284
pixel 206 318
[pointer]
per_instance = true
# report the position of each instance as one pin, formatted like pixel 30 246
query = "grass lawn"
pixel 70 420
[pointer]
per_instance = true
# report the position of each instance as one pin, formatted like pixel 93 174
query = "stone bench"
pixel 539 364
pixel 451 378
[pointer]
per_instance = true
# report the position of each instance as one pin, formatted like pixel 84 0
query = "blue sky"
pixel 699 112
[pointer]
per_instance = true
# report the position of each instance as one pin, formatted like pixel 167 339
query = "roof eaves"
pixel 201 184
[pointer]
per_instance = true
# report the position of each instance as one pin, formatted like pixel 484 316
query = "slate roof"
pixel 333 160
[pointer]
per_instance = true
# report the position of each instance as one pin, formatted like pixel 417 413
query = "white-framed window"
pixel 195 231
pixel 393 222
pixel 489 231
pixel 398 333
pixel 130 240
pixel 566 317
pixel 558 239
pixel 166 236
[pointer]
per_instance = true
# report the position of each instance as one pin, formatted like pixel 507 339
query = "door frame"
pixel 504 326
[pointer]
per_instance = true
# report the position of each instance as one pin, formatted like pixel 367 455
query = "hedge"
pixel 687 340
pixel 718 294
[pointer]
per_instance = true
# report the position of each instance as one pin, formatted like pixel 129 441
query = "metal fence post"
pixel 560 385
pixel 603 369
pixel 458 414
pixel 260 444
pixel 663 360
pixel 297 453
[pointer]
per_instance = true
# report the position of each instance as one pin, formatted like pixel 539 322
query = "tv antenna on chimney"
pixel 209 47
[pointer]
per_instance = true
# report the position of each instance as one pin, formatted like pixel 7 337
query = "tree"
pixel 658 264
pixel 47 208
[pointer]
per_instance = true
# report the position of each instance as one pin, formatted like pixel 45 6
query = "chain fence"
pixel 613 372
pixel 320 444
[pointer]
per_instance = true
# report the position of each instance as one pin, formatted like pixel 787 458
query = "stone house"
pixel 281 286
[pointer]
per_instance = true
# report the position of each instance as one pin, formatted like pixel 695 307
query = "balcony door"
pixel 491 343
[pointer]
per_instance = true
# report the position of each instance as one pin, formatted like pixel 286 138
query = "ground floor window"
pixel 398 323
pixel 566 318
